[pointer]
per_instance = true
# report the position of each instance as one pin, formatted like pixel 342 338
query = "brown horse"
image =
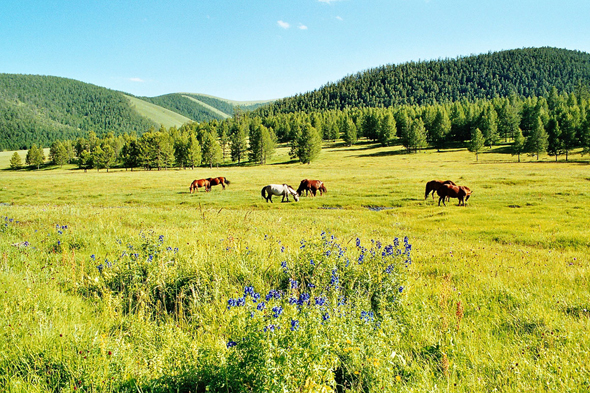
pixel 215 181
pixel 312 186
pixel 462 193
pixel 434 185
pixel 200 183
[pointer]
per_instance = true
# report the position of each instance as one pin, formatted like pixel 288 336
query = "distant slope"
pixel 202 107
pixel 41 109
pixel 524 72
pixel 157 113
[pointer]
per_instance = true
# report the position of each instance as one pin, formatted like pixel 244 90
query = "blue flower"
pixel 396 242
pixel 99 267
pixel 358 242
pixel 240 301
pixel 93 257
pixel 325 317
pixel 294 324
pixel 303 298
pixel 277 310
pixel 150 258
pixel 320 301
pixel 261 306
pixel 401 289
pixel 294 283
pixel 231 344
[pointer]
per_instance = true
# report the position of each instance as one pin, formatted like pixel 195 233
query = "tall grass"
pixel 120 281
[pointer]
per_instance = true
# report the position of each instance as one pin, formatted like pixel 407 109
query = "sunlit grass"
pixel 496 297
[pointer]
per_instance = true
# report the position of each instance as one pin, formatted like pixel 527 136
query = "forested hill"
pixel 201 107
pixel 41 109
pixel 524 72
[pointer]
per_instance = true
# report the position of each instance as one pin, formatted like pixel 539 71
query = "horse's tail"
pixel 427 190
pixel 191 188
pixel 262 192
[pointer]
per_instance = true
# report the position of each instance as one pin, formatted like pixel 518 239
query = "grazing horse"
pixel 312 186
pixel 279 189
pixel 434 185
pixel 218 180
pixel 200 183
pixel 451 191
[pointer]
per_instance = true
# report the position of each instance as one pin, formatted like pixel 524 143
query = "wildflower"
pixel 401 289
pixel 358 242
pixel 312 263
pixel 150 258
pixel 303 298
pixel 334 279
pixel 93 257
pixel 284 266
pixel 341 301
pixel 273 293
pixel 396 242
pixel 277 310
pixel 231 303
pixel 175 250
pixel 325 317
pixel 240 301
pixel 294 283
pixel 320 301
pixel 231 344
pixel 294 324
pixel 261 306
pixel 271 328
pixel 310 285
pixel 99 267
pixel 361 258
pixel 161 238
pixel 282 248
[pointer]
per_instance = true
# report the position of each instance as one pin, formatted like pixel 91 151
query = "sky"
pixel 249 50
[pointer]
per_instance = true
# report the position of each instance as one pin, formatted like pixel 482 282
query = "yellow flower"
pixel 398 378
pixel 348 342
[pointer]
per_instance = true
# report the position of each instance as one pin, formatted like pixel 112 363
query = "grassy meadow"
pixel 123 281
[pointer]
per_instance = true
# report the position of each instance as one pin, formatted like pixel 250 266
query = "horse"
pixel 434 185
pixel 200 183
pixel 279 189
pixel 312 186
pixel 218 180
pixel 462 193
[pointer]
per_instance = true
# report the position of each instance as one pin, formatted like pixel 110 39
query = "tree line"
pixel 556 124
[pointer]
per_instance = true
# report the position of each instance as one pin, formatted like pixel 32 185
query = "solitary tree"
pixel 477 142
pixel 15 161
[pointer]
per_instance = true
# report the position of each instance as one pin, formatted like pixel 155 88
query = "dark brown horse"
pixel 215 181
pixel 434 185
pixel 312 186
pixel 462 193
pixel 195 185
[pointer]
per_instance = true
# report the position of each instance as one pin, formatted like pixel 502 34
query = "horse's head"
pixel 293 192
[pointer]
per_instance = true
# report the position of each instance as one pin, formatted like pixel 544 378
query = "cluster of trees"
pixel 523 72
pixel 556 124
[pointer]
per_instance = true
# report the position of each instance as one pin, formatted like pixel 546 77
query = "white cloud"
pixel 339 18
pixel 302 26
pixel 136 80
pixel 328 1
pixel 284 25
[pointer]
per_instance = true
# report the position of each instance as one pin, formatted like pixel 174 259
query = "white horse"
pixel 279 189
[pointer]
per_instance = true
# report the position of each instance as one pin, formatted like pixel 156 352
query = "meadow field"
pixel 123 281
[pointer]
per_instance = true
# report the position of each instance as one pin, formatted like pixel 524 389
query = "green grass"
pixel 158 114
pixel 496 297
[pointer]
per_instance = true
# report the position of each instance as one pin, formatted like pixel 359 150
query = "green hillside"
pixel 157 113
pixel 41 109
pixel 524 72
pixel 202 107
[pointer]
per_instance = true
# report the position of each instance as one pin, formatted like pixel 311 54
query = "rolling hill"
pixel 523 72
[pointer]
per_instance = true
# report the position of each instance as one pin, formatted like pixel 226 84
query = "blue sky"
pixel 262 49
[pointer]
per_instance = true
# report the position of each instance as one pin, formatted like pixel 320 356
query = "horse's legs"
pixel 223 185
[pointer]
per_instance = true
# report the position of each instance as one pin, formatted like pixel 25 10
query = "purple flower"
pixel 261 306
pixel 294 324
pixel 231 344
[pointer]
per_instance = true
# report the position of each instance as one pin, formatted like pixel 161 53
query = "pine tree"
pixel 537 140
pixel 262 143
pixel 181 150
pixel 488 124
pixel 585 135
pixel 239 143
pixel 194 153
pixel 519 145
pixel 130 152
pixel 35 156
pixel 212 154
pixel 348 131
pixel 477 142
pixel 416 137
pixel 15 161
pixel 554 142
pixel 387 129
pixel 440 128
pixel 58 153
pixel 309 144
